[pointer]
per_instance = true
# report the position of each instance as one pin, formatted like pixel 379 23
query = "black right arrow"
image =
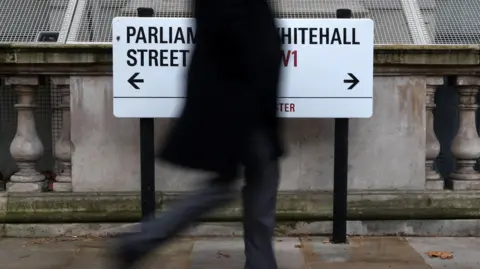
pixel 354 81
pixel 133 81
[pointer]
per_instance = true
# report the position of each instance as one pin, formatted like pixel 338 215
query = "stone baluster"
pixel 433 180
pixel 64 146
pixel 466 144
pixel 26 147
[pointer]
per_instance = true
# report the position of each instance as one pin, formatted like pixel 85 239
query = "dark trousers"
pixel 259 206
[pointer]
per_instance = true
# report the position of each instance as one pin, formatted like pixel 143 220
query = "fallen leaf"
pixel 440 254
pixel 40 241
pixel 222 255
pixel 298 246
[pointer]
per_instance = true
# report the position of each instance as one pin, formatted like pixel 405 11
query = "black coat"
pixel 231 86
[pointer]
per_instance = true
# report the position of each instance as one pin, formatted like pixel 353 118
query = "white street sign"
pixel 327 67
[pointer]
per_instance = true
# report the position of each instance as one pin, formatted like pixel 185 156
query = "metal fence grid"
pixel 47 126
pixel 95 23
pixel 21 20
pixel 396 21
pixel 56 120
pixel 453 21
pixel 8 127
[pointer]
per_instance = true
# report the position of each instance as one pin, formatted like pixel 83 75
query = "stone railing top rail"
pixel 96 59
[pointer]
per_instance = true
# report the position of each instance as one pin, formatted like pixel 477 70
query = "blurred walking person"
pixel 229 122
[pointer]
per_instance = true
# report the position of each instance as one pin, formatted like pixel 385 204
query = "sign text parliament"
pixel 327 67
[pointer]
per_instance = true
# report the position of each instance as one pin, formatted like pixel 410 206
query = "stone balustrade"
pixel 397 149
pixel 420 144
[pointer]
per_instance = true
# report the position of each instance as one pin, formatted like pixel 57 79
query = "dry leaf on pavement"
pixel 222 255
pixel 440 254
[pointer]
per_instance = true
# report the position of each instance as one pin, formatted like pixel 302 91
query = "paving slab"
pixel 30 254
pixel 466 251
pixel 361 265
pixel 228 253
pixel 376 252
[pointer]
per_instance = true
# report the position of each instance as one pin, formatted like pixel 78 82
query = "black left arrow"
pixel 133 81
pixel 354 81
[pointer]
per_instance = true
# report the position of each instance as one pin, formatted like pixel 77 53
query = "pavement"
pixel 227 253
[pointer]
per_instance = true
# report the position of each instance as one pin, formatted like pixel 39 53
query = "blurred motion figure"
pixel 229 122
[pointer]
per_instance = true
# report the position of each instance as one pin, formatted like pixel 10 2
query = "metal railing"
pixel 396 21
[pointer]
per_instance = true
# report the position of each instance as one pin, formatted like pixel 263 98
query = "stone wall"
pixel 392 175
pixel 394 150
pixel 381 155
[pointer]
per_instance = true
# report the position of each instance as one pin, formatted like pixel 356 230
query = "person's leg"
pixel 132 247
pixel 259 204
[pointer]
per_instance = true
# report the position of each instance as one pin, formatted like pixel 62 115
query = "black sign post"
pixel 340 167
pixel 147 149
